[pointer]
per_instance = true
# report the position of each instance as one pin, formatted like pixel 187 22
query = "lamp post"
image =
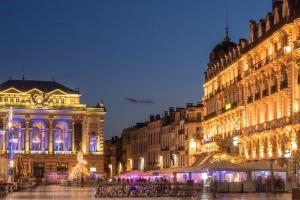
pixel 110 170
pixel 142 164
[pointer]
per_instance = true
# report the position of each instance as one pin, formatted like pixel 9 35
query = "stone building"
pixel 45 123
pixel 112 157
pixel 163 142
pixel 251 90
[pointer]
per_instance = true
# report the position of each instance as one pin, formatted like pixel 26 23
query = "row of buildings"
pixel 250 107
pixel 163 142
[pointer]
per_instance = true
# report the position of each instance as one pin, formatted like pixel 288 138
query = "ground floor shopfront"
pixel 50 166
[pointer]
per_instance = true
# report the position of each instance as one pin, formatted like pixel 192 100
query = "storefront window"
pixel 38 136
pixel 62 137
pixel 16 137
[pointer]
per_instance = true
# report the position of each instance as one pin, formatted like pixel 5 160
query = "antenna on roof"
pixel 53 79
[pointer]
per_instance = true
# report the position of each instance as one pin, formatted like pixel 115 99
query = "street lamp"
pixel 174 159
pixel 142 164
pixel 161 161
pixel 110 170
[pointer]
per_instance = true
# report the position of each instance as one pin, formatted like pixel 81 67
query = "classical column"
pixel 5 136
pixel 27 135
pixel 50 144
pixel 73 138
pixel 85 130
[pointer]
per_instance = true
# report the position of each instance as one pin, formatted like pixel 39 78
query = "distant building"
pixel 163 142
pixel 49 125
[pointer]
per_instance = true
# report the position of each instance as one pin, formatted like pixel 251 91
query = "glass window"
pixel 62 137
pixel 62 167
pixel 38 136
pixel 16 136
pixel 93 142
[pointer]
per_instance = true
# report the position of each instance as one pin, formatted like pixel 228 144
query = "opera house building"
pixel 45 124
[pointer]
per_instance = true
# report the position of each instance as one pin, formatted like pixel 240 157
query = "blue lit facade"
pixel 49 127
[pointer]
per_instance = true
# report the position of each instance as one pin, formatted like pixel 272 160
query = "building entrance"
pixel 38 170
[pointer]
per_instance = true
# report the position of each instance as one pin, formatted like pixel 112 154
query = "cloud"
pixel 142 101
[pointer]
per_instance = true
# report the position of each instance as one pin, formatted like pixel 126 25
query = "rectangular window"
pixel 62 167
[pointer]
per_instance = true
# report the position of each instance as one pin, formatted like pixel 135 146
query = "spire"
pixel 227 38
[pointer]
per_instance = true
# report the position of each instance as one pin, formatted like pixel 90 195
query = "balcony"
pixel 165 148
pixel 276 123
pixel 193 120
pixel 210 115
pixel 181 148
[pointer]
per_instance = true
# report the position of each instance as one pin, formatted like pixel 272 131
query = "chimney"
pixel 158 117
pixel 152 118
pixel 276 3
pixel 166 113
pixel 188 105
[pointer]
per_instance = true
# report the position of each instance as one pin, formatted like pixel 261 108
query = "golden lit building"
pixel 193 131
pixel 251 90
pixel 163 142
pixel 47 127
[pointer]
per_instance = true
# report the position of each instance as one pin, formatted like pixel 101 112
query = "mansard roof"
pixel 221 49
pixel 284 11
pixel 45 86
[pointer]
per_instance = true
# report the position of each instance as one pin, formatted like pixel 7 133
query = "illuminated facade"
pixel 49 126
pixel 163 142
pixel 251 90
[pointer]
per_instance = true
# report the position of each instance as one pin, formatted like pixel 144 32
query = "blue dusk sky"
pixel 138 56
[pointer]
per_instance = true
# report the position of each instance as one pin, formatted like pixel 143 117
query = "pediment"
pixel 11 90
pixel 57 92
pixel 34 90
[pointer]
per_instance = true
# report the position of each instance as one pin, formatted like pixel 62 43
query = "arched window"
pixel 93 142
pixel 62 137
pixel 38 136
pixel 16 136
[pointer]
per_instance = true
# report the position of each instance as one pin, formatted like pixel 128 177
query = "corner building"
pixel 49 126
pixel 251 91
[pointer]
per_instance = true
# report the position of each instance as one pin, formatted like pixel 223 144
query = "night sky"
pixel 138 56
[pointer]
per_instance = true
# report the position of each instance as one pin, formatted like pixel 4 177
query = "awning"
pixel 261 166
pixel 219 166
pixel 134 173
